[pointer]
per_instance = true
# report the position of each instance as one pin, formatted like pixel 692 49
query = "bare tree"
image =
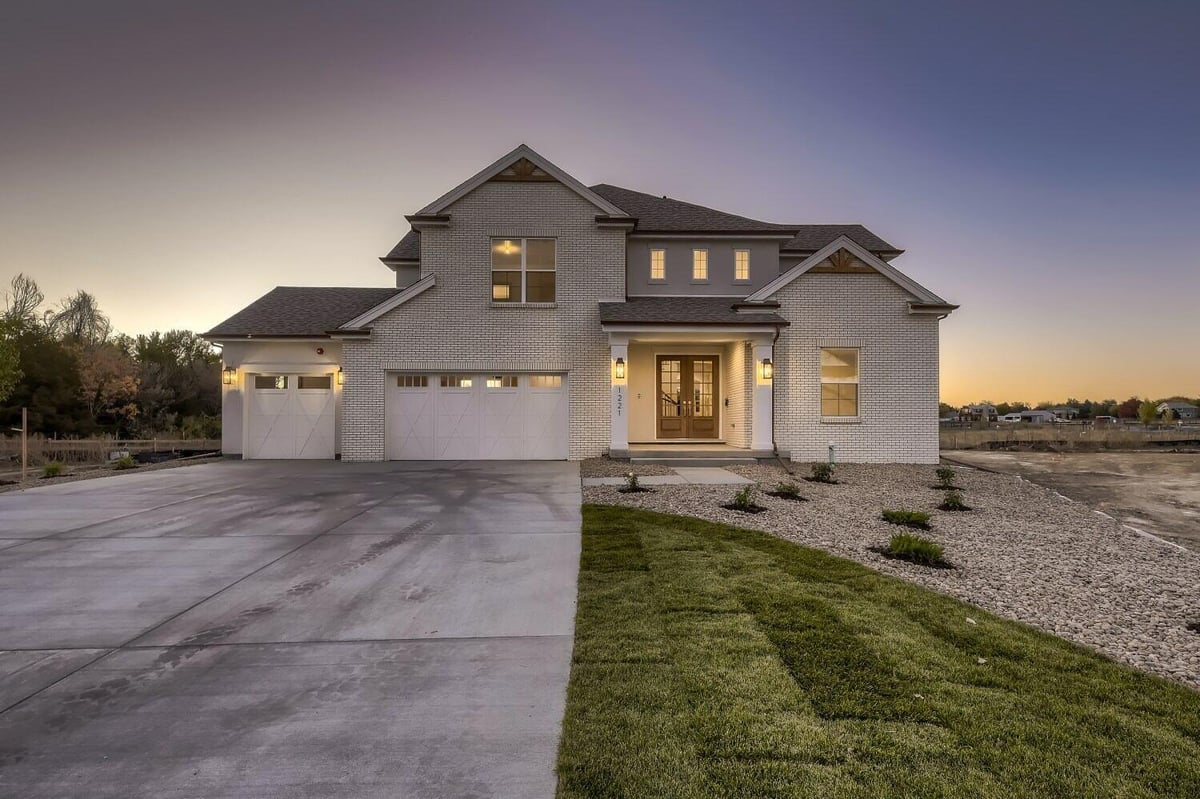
pixel 79 318
pixel 22 300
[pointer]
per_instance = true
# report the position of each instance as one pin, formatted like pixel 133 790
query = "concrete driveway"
pixel 288 629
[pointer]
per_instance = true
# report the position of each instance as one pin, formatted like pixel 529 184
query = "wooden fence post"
pixel 24 442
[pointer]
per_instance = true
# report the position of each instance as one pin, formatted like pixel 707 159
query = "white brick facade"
pixel 898 381
pixel 455 327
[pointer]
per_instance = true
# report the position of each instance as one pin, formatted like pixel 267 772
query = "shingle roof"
pixel 407 249
pixel 684 311
pixel 300 311
pixel 810 238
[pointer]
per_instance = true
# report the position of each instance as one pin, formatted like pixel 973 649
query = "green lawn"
pixel 717 662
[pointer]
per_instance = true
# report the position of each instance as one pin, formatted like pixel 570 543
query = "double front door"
pixel 688 396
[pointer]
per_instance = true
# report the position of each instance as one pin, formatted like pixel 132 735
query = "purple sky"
pixel 1038 161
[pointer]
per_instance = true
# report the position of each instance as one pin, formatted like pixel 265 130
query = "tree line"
pixel 78 377
pixel 1143 408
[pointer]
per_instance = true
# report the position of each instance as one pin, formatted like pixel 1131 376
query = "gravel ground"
pixel 1024 552
pixel 603 467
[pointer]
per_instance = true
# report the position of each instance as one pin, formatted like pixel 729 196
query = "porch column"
pixel 618 371
pixel 761 433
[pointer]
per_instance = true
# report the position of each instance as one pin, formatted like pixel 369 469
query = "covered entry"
pixel 688 396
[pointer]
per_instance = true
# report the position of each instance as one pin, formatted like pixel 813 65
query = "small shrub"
pixel 907 518
pixel 632 486
pixel 945 476
pixel 52 469
pixel 822 473
pixel 124 462
pixel 954 502
pixel 743 501
pixel 787 490
pixel 915 549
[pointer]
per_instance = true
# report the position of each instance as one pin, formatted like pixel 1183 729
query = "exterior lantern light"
pixel 227 375
pixel 768 369
pixel 619 369
pixel 341 378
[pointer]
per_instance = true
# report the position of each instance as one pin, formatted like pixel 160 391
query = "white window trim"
pixel 524 271
pixel 857 381
pixel 737 279
pixel 707 265
pixel 652 278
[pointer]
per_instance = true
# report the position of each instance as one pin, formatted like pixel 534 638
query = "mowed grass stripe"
pixel 712 661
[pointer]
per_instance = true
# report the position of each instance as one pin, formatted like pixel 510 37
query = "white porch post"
pixel 761 433
pixel 619 414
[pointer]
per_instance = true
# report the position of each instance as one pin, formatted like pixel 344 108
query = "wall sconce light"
pixel 341 378
pixel 768 369
pixel 227 375
pixel 619 369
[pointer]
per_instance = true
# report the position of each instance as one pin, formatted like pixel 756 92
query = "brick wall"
pixel 898 380
pixel 455 327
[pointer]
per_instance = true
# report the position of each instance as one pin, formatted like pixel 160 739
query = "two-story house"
pixel 534 317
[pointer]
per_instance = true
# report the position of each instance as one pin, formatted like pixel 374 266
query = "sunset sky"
pixel 1040 162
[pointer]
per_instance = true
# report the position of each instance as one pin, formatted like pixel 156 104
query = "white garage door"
pixel 477 417
pixel 291 416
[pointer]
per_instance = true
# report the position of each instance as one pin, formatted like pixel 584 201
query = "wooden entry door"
pixel 688 396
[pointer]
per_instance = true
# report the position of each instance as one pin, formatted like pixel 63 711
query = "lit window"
pixel 741 264
pixel 658 264
pixel 271 381
pixel 523 270
pixel 545 381
pixel 502 381
pixel 412 381
pixel 456 381
pixel 699 264
pixel 321 382
pixel 839 382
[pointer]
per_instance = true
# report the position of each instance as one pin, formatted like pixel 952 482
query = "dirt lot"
pixel 1155 491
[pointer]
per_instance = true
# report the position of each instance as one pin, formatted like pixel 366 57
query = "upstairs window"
pixel 839 382
pixel 741 264
pixel 699 264
pixel 658 264
pixel 523 270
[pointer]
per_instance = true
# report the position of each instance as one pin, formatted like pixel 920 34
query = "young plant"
pixel 124 462
pixel 787 490
pixel 945 476
pixel 743 501
pixel 954 502
pixel 907 518
pixel 632 486
pixel 822 473
pixel 915 549
pixel 52 469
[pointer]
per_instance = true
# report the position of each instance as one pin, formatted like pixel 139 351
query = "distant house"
pixel 1029 417
pixel 1179 410
pixel 982 412
pixel 1065 413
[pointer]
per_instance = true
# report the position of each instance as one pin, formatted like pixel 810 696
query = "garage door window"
pixel 545 381
pixel 456 381
pixel 279 382
pixel 502 381
pixel 324 382
pixel 412 381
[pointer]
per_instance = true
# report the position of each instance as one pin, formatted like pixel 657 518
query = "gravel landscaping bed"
pixel 603 467
pixel 1023 552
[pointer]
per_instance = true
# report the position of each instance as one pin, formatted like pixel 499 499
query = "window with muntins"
pixel 523 270
pixel 741 264
pixel 839 382
pixel 658 264
pixel 456 381
pixel 412 381
pixel 699 264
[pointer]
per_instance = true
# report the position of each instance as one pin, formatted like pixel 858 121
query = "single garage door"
pixel 291 416
pixel 477 417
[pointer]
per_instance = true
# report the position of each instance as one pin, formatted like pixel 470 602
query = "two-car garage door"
pixel 477 417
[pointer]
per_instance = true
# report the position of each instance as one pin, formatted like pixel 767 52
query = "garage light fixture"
pixel 341 378
pixel 227 375
pixel 619 369
pixel 768 369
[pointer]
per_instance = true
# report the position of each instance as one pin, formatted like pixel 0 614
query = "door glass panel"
pixel 271 381
pixel 671 385
pixel 314 381
pixel 702 387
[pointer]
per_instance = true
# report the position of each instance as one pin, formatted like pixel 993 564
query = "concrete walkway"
pixel 684 475
pixel 288 629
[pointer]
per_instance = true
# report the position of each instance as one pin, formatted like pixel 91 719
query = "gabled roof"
pixel 810 238
pixel 526 152
pixel 685 311
pixel 925 300
pixel 407 249
pixel 300 311
pixel 665 215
